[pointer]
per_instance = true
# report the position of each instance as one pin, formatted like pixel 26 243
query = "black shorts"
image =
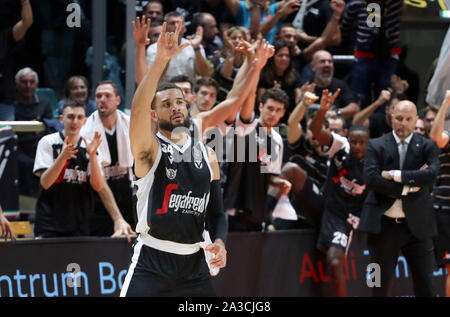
pixel 334 232
pixel 309 203
pixel 442 240
pixel 162 274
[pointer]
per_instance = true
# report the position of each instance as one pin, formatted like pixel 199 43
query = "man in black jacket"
pixel 400 169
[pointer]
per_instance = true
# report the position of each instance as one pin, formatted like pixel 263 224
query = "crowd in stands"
pixel 312 128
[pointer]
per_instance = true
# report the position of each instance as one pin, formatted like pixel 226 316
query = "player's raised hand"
pixel 167 45
pixel 140 31
pixel 264 51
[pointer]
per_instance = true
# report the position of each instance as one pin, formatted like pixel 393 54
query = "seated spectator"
pixel 376 48
pixel 419 129
pixel 379 123
pixel 77 87
pixel 211 41
pixel 229 61
pixel 154 10
pixel 322 65
pixel 191 61
pixel 260 11
pixel 29 107
pixel 68 168
pixel 278 73
pixel 10 43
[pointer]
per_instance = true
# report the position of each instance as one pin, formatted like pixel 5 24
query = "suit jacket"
pixel 382 155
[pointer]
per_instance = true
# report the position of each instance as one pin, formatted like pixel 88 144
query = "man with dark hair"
pixel 154 31
pixel 186 85
pixel 113 213
pixel 167 260
pixel 206 90
pixel 154 10
pixel 68 168
pixel 253 186
pixel 429 114
pixel 338 125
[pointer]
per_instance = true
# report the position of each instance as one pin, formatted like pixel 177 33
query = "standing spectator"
pixel 377 47
pixel 441 192
pixel 154 10
pixel 251 13
pixel 205 95
pixel 10 37
pixel 278 73
pixel 77 87
pixel 399 171
pixel 29 107
pixel 68 167
pixel 322 65
pixel 230 60
pixel 191 61
pixel 117 160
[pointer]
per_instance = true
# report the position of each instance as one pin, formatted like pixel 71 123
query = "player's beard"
pixel 167 125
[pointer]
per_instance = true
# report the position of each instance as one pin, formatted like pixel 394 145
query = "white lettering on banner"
pixel 187 202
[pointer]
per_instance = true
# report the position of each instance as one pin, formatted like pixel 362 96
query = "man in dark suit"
pixel 399 171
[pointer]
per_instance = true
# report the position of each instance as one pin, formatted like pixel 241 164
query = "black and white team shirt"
pixel 344 188
pixel 173 197
pixel 256 156
pixel 63 209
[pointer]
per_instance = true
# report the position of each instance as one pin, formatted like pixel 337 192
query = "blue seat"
pixel 51 96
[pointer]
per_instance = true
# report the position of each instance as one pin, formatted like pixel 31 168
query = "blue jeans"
pixel 6 112
pixel 370 76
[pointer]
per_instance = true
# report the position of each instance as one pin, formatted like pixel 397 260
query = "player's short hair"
pixel 172 14
pixel 276 94
pixel 74 103
pixel 359 128
pixel 311 117
pixel 181 79
pixel 344 123
pixel 109 82
pixel 161 87
pixel 432 108
pixel 206 81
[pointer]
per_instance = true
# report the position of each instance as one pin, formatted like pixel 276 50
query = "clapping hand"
pixel 68 150
pixel 92 147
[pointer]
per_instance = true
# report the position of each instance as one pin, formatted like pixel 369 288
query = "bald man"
pixel 399 172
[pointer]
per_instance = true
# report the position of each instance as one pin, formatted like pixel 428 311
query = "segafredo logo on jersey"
pixel 180 202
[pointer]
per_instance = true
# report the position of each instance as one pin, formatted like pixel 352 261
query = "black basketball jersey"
pixel 344 188
pixel 62 209
pixel 173 196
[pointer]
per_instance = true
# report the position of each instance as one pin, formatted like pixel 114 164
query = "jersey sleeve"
pixel 44 156
pixel 339 142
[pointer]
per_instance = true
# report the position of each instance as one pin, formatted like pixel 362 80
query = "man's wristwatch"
pixel 197 48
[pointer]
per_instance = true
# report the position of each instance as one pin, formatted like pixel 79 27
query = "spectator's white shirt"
pixel 182 64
